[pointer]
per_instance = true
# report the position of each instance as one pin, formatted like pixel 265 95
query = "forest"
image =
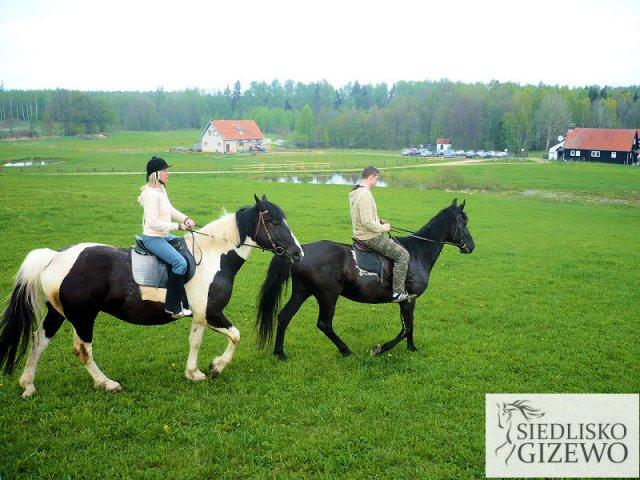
pixel 491 115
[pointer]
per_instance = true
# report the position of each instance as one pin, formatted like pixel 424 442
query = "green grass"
pixel 546 303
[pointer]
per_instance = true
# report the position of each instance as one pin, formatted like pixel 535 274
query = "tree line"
pixel 479 115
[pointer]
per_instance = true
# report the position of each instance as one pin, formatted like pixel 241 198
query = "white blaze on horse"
pixel 79 282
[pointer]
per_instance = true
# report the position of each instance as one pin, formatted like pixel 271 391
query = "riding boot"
pixel 175 293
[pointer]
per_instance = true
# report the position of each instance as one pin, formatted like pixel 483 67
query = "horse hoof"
pixel 412 348
pixel 376 350
pixel 348 353
pixel 196 376
pixel 214 373
pixel 28 391
pixel 112 386
pixel 281 355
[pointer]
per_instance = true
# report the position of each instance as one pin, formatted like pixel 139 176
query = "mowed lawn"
pixel 546 303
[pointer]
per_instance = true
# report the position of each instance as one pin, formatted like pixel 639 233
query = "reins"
pixel 277 249
pixel 444 242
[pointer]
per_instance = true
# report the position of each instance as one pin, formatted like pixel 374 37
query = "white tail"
pixel 28 277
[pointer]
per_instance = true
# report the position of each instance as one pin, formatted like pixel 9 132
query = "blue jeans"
pixel 161 248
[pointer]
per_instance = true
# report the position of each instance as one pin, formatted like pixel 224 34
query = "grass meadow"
pixel 548 302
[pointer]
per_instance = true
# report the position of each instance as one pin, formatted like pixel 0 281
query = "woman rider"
pixel 160 218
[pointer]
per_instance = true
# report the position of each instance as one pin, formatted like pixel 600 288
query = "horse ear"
pixel 454 203
pixel 256 197
pixel 264 198
pixel 462 204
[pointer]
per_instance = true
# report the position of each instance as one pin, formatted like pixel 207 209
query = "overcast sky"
pixel 143 45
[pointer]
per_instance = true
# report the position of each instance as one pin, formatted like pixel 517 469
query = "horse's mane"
pixel 527 412
pixel 223 231
pixel 236 227
pixel 440 220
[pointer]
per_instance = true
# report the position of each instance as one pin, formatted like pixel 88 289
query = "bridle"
pixel 461 245
pixel 277 249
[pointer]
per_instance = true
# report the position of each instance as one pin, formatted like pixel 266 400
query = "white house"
pixel 230 136
pixel 443 144
pixel 553 151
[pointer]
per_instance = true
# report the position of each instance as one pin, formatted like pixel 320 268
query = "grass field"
pixel 129 152
pixel 546 303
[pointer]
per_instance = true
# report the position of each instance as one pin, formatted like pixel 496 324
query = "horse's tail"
pixel 24 309
pixel 270 297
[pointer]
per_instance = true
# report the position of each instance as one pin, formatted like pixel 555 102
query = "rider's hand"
pixel 182 226
pixel 382 221
pixel 189 223
pixel 386 227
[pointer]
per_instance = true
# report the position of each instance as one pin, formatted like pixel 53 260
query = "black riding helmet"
pixel 155 165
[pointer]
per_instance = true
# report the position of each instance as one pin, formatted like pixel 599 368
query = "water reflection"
pixel 335 179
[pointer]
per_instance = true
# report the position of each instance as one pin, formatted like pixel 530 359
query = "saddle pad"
pixel 371 262
pixel 148 271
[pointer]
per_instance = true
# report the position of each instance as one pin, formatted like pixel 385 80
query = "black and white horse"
pixel 82 280
pixel 329 270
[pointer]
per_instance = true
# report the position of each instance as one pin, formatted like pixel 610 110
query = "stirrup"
pixel 185 312
pixel 402 297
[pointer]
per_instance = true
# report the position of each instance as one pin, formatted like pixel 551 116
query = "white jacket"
pixel 159 215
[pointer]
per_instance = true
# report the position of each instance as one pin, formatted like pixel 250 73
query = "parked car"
pixel 449 154
pixel 426 153
pixel 460 153
pixel 469 153
pixel 410 152
pixel 502 154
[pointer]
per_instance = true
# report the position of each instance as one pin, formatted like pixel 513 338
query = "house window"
pixel 205 144
pixel 210 133
pixel 573 153
pixel 577 153
pixel 595 153
pixel 613 154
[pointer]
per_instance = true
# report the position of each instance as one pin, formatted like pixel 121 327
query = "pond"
pixel 32 163
pixel 334 179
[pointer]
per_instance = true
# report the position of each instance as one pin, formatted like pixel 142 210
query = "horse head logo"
pixel 505 417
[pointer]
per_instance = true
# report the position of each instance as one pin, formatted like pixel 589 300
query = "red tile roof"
pixel 443 140
pixel 238 129
pixel 612 139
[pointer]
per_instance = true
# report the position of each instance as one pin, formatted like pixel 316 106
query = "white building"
pixel 443 144
pixel 553 151
pixel 230 136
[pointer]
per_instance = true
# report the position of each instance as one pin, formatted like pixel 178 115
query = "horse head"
pixel 458 232
pixel 272 232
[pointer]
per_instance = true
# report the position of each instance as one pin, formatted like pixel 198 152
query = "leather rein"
pixel 277 249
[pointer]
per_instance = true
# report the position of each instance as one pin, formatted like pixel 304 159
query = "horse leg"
pixel 41 338
pixel 221 324
pixel 406 311
pixel 325 323
pixel 298 297
pixel 195 340
pixel 84 351
pixel 83 316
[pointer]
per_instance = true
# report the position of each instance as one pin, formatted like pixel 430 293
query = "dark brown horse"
pixel 328 270
pixel 79 282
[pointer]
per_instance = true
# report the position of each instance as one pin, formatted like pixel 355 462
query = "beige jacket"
pixel 159 215
pixel 364 214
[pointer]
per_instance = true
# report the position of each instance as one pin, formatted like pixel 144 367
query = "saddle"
pixel 371 261
pixel 150 271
